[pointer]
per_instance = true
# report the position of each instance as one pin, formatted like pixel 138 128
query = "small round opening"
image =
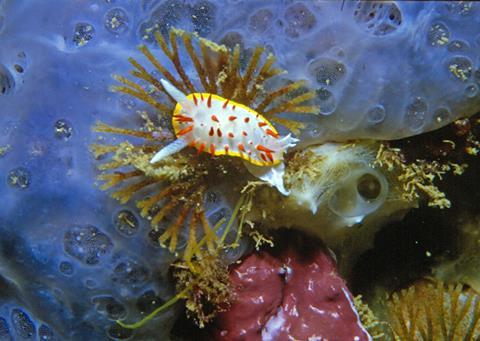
pixel 361 192
pixel 369 187
pixel 18 68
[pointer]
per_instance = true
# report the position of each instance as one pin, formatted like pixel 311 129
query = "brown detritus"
pixel 418 177
pixel 454 142
pixel 260 239
pixel 209 292
pixel 462 127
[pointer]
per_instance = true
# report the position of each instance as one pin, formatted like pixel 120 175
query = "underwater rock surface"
pixel 71 259
pixel 287 297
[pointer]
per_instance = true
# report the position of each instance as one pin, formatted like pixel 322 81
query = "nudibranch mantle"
pixel 219 126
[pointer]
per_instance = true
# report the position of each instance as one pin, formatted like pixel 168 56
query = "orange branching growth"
pixel 175 190
pixel 170 193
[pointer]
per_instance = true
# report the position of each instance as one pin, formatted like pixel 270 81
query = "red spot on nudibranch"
pixel 264 149
pixel 244 133
pixel 209 101
pixel 226 147
pixel 185 131
pixel 247 119
pixel 182 118
pixel 225 104
pixel 263 157
pixel 212 149
pixel 230 135
pixel 272 133
pixel 201 148
pixel 214 118
pixel 261 124
pixel 211 132
pixel 241 147
pixel 233 107
pixel 219 132
pixel 201 97
pixel 195 99
pixel 232 118
pixel 270 156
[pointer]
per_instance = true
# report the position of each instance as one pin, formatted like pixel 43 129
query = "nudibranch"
pixel 219 126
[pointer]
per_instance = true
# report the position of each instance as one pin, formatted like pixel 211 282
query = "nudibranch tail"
pixel 272 175
pixel 169 149
pixel 284 143
pixel 176 94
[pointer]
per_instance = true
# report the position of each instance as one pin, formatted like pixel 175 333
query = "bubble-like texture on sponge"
pixel 382 69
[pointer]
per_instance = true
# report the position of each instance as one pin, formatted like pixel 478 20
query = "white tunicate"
pixel 362 192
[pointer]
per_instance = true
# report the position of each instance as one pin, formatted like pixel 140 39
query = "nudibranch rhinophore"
pixel 220 126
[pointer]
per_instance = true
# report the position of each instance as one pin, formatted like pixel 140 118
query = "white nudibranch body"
pixel 219 126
